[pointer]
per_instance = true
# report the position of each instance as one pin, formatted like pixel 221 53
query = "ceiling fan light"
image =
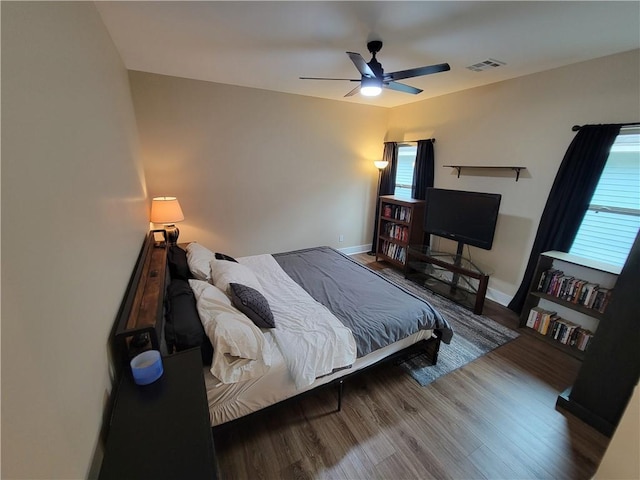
pixel 370 91
pixel 370 87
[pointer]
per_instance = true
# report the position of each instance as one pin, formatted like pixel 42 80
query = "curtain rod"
pixel 575 128
pixel 432 140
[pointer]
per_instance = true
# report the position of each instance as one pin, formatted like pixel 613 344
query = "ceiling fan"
pixel 373 79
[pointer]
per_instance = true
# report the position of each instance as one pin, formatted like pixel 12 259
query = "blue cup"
pixel 147 367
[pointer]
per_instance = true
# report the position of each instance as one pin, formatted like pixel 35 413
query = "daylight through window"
pixel 611 223
pixel 404 173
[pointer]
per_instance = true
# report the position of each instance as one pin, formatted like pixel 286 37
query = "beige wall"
pixel 73 221
pixel 621 460
pixel 258 171
pixel 255 171
pixel 527 122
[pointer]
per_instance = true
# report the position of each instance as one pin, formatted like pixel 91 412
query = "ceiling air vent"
pixel 488 64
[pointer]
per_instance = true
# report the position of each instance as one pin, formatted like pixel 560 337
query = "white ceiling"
pixel 268 45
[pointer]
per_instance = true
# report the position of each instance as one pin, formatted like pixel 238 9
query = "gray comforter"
pixel 377 311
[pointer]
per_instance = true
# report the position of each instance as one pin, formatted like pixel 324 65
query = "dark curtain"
pixel 387 184
pixel 569 198
pixel 423 170
pixel 388 178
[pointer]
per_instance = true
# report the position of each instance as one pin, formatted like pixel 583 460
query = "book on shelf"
pixel 396 212
pixel 397 232
pixel 601 299
pixel 586 293
pixel 533 316
pixel 540 319
pixel 549 324
pixel 546 279
pixel 394 251
pixel 583 340
pixel 560 284
pixel 574 290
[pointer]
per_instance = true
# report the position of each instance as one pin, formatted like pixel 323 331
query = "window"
pixel 404 172
pixel 613 218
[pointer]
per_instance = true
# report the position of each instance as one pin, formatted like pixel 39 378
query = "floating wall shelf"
pixel 477 167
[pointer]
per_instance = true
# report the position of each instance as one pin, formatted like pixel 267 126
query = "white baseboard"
pixel 498 297
pixel 355 249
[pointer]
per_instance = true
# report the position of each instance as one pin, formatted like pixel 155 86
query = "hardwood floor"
pixel 494 418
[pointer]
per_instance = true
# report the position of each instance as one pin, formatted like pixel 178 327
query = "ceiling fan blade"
pixel 361 65
pixel 417 72
pixel 324 78
pixel 401 87
pixel 353 92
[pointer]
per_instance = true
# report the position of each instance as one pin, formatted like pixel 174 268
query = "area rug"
pixel 474 335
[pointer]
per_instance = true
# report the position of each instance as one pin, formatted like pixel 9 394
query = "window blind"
pixel 404 172
pixel 613 218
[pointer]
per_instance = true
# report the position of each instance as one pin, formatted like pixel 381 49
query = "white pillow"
pixel 224 272
pixel 198 258
pixel 240 351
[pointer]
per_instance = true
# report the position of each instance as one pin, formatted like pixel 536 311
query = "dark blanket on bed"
pixel 377 311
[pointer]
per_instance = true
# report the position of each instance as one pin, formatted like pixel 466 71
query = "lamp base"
pixel 171 234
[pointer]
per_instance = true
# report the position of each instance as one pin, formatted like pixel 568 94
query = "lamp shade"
pixel 166 210
pixel 381 164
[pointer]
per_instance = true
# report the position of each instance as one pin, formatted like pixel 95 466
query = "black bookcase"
pixel 611 367
pixel 399 225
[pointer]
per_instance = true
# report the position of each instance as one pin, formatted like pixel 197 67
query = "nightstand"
pixel 162 430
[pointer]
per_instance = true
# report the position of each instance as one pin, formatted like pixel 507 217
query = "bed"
pixel 271 327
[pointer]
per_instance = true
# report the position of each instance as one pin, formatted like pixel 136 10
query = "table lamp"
pixel 166 210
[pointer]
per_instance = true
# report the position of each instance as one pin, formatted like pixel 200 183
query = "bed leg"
pixel 436 349
pixel 340 389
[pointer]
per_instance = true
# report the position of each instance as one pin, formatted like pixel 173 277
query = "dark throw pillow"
pixel 222 256
pixel 183 328
pixel 253 304
pixel 178 266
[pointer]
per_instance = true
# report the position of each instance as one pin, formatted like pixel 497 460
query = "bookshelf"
pixel 611 367
pixel 399 224
pixel 567 299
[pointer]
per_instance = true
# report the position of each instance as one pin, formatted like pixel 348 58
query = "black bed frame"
pixel 140 322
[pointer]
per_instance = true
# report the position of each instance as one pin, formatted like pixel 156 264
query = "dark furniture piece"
pixel 448 274
pixel 140 325
pixel 576 267
pixel 140 322
pixel 162 430
pixel 399 225
pixel 611 367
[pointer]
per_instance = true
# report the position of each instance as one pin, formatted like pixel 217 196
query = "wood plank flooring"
pixel 494 418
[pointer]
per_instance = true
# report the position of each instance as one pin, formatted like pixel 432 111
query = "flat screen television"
pixel 468 218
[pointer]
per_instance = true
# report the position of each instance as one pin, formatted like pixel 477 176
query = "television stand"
pixel 450 275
